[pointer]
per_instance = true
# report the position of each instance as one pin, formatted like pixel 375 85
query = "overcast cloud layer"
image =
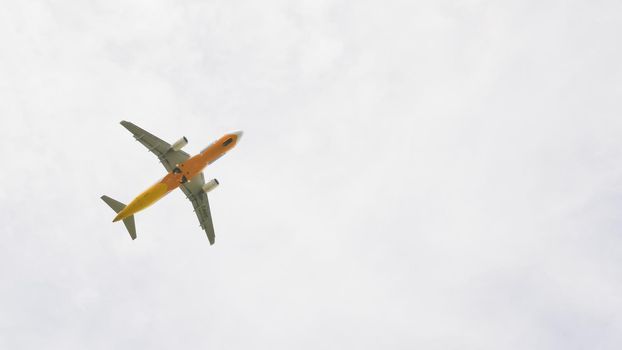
pixel 413 175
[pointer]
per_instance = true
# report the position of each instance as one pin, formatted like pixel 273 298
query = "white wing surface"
pixel 167 156
pixel 194 192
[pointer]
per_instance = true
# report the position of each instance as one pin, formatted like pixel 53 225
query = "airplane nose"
pixel 239 134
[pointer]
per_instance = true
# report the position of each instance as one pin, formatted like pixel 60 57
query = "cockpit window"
pixel 229 140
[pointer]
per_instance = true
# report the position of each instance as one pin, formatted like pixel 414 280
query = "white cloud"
pixel 433 174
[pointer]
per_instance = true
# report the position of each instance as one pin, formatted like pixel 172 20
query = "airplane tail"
pixel 117 207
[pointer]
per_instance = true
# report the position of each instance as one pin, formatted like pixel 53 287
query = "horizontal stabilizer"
pixel 129 225
pixel 117 207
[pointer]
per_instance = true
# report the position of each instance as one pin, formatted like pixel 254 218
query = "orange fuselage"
pixel 190 168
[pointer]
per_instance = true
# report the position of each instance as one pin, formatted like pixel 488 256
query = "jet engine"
pixel 212 184
pixel 179 144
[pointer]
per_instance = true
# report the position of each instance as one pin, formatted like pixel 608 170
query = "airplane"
pixel 184 172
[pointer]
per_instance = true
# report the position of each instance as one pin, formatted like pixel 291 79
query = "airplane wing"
pixel 196 195
pixel 168 157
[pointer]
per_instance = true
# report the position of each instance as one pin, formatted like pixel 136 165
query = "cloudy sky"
pixel 414 174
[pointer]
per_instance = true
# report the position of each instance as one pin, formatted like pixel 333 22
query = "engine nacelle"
pixel 212 184
pixel 179 144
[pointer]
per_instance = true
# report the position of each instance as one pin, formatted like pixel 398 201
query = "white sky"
pixel 430 174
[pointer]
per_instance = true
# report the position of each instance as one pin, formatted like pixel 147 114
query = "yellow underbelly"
pixel 145 199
